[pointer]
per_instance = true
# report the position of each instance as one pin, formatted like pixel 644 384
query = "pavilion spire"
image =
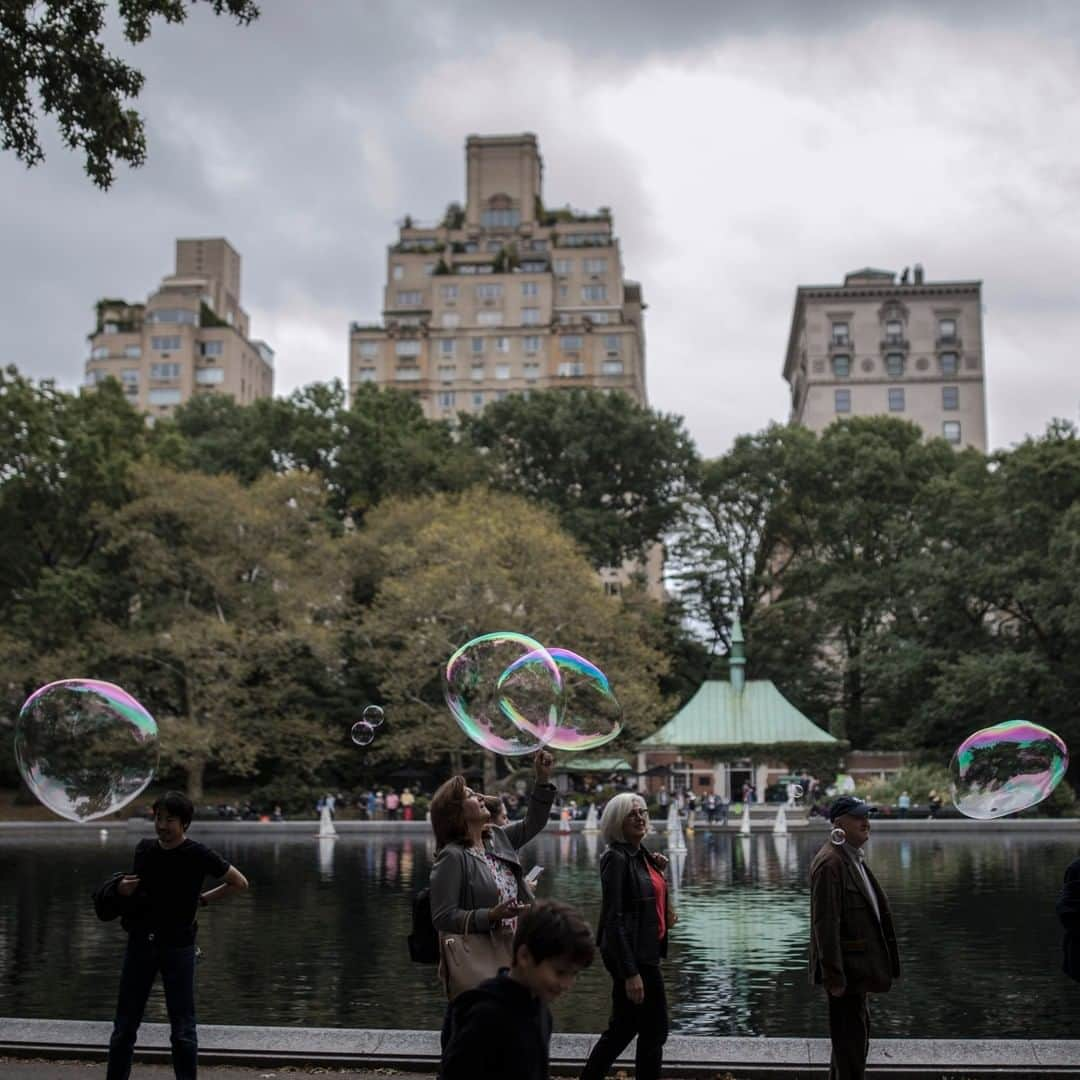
pixel 737 658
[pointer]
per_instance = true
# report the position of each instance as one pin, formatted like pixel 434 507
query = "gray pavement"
pixel 12 1069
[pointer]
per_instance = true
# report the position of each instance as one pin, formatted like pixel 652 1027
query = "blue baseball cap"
pixel 848 804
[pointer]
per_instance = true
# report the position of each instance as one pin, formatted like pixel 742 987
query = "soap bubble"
pixel 589 713
pixel 374 716
pixel 362 733
pixel 85 748
pixel 1005 768
pixel 838 837
pixel 509 710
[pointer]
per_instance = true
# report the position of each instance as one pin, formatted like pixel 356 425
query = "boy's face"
pixel 549 979
pixel 169 829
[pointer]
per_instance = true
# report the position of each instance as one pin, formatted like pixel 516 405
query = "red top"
pixel 660 888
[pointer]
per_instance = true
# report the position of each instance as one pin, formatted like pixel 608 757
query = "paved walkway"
pixel 11 1069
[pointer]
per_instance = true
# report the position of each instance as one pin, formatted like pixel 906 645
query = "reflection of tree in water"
pixel 83 755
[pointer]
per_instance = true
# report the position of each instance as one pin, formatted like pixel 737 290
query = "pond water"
pixel 319 940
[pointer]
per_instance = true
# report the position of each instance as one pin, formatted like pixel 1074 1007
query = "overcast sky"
pixel 744 148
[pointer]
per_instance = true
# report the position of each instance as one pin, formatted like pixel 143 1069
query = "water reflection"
pixel 320 938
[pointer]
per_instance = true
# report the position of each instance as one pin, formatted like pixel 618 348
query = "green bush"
pixel 917 780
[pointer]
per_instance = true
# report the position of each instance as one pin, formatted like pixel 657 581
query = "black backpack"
pixel 424 939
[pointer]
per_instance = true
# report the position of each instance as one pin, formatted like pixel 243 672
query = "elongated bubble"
pixel 1005 768
pixel 509 712
pixel 85 748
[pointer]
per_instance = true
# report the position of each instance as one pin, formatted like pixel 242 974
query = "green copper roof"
pixel 599 765
pixel 718 715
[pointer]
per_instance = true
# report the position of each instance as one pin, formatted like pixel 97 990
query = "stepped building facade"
pixel 503 296
pixel 191 337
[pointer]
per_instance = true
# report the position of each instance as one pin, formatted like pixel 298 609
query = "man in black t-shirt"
pixel 168 874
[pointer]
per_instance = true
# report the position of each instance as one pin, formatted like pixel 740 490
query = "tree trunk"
pixel 491 776
pixel 195 768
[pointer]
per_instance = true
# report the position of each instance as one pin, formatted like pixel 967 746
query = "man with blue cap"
pixel 852 940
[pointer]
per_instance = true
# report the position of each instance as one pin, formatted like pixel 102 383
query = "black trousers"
pixel 648 1021
pixel 849 1029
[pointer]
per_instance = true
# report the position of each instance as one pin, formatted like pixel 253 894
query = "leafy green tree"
pixel 613 471
pixel 53 56
pixel 444 569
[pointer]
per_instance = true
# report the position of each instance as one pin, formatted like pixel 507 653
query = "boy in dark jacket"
pixel 168 876
pixel 503 1027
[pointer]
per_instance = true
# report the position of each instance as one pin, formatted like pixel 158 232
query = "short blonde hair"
pixel 613 819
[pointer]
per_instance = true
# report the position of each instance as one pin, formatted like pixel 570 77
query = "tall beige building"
pixel 191 336
pixel 503 295
pixel 878 346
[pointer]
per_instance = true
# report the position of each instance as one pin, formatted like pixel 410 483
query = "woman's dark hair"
pixel 495 805
pixel 447 811
pixel 176 804
pixel 552 929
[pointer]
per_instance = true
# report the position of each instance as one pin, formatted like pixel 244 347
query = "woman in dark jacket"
pixel 635 917
pixel 477 880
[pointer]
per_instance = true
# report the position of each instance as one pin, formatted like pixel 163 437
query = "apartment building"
pixel 876 345
pixel 503 295
pixel 191 336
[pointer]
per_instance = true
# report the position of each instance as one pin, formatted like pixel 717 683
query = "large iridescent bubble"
pixel 85 748
pixel 510 712
pixel 589 713
pixel 1005 768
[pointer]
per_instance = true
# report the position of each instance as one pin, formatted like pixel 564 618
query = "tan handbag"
pixel 466 960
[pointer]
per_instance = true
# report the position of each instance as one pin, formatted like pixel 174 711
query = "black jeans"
pixel 648 1021
pixel 142 961
pixel 849 1029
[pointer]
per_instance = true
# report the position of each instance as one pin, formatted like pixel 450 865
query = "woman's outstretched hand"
pixel 542 764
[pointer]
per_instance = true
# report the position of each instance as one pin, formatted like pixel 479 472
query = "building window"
pixel 410 298
pixel 477 373
pixel 564 292
pixel 896 399
pixel 951 430
pixel 489 318
pixel 599 317
pixel 840 333
pixel 593 293
pixel 447 373
pixel 530 288
pixel 164 371
pixel 612 343
pixel 612 367
pixel 533 267
pixel 133 352
pixel 210 376
pixel 163 395
pixel 570 343
pixel 448 346
pixel 211 348
pixel 365 374
pixel 947 329
pixel 502 371
pixel 532 372
pixel 596 266
pixel 894 365
pixel 502 344
pixel 488 291
pixel 99 352
pixel 530 316
pixel 894 331
pixel 173 315
pixel 407 348
pixel 531 343
pixel 448 292
pixel 563 266
pixel 950 363
pixel 842 400
pixel 368 348
pixel 539 245
pixel 950 397
pixel 446 399
pixel 477 345
pixel 500 219
pixel 571 368
pixel 165 344
pixel 408 374
pixel 398 271
pixel 451 320
pixel 478 399
pixel 841 366
pixel 429 269
pixel 130 376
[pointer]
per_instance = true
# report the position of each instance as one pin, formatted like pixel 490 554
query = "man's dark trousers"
pixel 142 961
pixel 849 1029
